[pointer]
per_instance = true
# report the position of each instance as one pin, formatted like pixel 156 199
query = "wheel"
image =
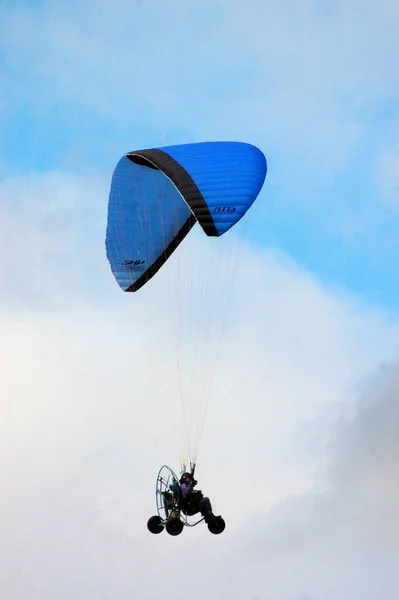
pixel 174 526
pixel 217 525
pixel 154 524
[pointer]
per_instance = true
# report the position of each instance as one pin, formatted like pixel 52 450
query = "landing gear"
pixel 155 525
pixel 217 525
pixel 174 526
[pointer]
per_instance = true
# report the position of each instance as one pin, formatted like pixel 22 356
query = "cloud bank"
pixel 298 462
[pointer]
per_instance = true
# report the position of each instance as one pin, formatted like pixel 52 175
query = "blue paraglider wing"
pixel 157 196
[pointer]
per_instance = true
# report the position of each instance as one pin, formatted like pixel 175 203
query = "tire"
pixel 217 525
pixel 174 526
pixel 154 525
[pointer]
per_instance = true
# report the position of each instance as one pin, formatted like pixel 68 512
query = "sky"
pixel 299 451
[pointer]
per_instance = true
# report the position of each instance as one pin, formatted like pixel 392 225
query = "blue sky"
pixel 306 391
pixel 317 89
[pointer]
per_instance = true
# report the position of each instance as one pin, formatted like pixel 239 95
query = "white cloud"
pixel 47 223
pixel 367 452
pixel 342 541
pixel 84 429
